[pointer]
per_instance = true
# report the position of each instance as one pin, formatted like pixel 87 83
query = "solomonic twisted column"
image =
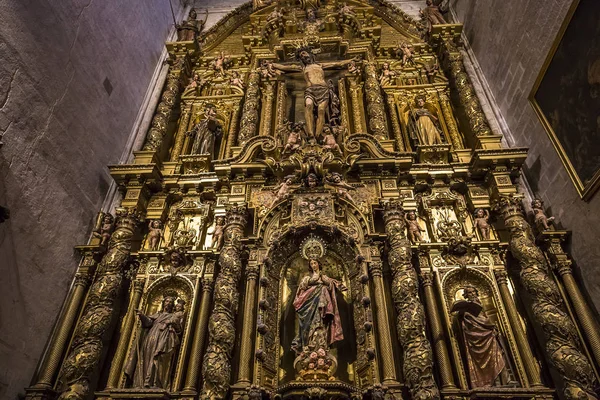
pixel 418 359
pixel 250 110
pixel 375 106
pixel 92 329
pixel 216 369
pixel 562 341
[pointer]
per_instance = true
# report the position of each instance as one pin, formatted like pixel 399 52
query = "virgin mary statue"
pixel 319 323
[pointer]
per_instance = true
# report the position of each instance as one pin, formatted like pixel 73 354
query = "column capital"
pixel 375 268
pixel 501 277
pixel 426 278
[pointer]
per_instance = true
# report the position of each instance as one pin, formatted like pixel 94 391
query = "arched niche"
pixel 180 288
pixel 279 282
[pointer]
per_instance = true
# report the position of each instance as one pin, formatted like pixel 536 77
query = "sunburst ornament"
pixel 312 248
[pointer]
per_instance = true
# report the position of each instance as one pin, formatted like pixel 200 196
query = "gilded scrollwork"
pixel 418 359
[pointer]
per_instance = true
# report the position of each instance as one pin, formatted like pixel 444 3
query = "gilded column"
pixel 267 108
pixel 216 369
pixel 355 90
pixel 250 109
pixel 343 103
pixel 281 103
pixel 450 122
pixel 417 360
pixel 383 329
pixel 452 62
pixel 168 101
pixel 562 340
pixel 92 329
pixel 233 130
pixel 126 329
pixel 59 342
pixel 191 381
pixel 375 106
pixel 435 324
pixel 395 124
pixel 184 121
pixel 247 337
pixel 531 368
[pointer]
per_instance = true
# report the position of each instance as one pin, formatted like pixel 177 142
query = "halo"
pixel 312 248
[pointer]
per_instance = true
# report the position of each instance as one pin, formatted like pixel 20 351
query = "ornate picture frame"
pixel 566 92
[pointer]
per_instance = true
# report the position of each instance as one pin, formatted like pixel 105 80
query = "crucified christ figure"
pixel 318 93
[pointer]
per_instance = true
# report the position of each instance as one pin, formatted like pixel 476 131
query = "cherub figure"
pixel 106 229
pixel 329 142
pixel 283 189
pixel 267 70
pixel 237 81
pixel 413 227
pixel 335 179
pixel 312 180
pixel 180 311
pixel 431 70
pixel 353 68
pixel 345 9
pixel 275 15
pixel 406 50
pixel 387 75
pixel 195 82
pixel 176 260
pixel 482 218
pixel 155 233
pixel 542 221
pixel 220 63
pixel 294 140
pixel 217 233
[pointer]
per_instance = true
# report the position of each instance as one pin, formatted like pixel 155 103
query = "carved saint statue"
pixel 482 223
pixel 432 15
pixel 319 95
pixel 205 132
pixel 486 362
pixel 152 361
pixel 424 123
pixel 189 29
pixel 319 323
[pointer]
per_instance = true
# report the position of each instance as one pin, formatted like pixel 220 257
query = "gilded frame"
pixel 585 189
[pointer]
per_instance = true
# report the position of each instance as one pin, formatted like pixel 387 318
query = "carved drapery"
pixel 417 360
pixel 168 101
pixel 375 106
pixel 563 346
pixel 216 369
pixel 250 111
pixel 453 64
pixel 89 336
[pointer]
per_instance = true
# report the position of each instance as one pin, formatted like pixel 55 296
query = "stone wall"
pixel 72 79
pixel 510 42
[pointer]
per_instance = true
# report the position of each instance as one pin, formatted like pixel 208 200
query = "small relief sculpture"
pixel 424 129
pixel 345 9
pixel 482 218
pixel 335 179
pixel 294 139
pixel 205 132
pixel 319 322
pixel 312 180
pixel 483 348
pixel 542 221
pixel 196 82
pixel 413 227
pixel 104 232
pixel 189 29
pixel 329 142
pixel 276 16
pixel 267 70
pixel 431 70
pixel 354 68
pixel 152 363
pixel 176 260
pixel 221 63
pixel 312 26
pixel 386 78
pixel 155 233
pixel 432 15
pixel 237 81
pixel 217 233
pixel 184 237
pixel 405 50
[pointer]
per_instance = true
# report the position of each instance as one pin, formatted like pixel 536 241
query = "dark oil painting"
pixel 568 95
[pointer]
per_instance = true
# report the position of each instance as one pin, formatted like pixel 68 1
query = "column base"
pixel 40 392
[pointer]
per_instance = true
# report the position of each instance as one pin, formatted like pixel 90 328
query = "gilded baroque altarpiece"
pixel 320 210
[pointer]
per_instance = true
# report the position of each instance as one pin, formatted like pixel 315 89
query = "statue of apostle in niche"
pixel 151 363
pixel 319 96
pixel 424 124
pixel 190 28
pixel 486 360
pixel 205 132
